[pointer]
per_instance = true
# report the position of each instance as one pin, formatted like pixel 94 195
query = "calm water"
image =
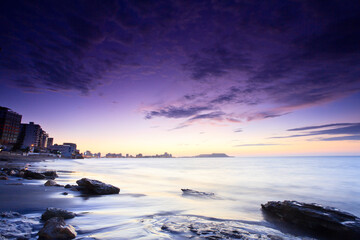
pixel 151 190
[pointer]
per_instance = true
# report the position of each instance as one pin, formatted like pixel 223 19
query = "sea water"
pixel 151 193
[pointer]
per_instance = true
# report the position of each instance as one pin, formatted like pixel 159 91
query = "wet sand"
pixel 28 196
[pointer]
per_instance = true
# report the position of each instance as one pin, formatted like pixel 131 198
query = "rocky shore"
pixel 51 225
pixel 283 220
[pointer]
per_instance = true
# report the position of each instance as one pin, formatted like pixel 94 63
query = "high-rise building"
pixel 10 123
pixel 30 135
pixel 50 142
pixel 43 139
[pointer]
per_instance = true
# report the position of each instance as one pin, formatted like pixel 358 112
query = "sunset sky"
pixel 186 77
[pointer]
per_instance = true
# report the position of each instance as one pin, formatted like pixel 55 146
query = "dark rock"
pixel 13 172
pixel 56 228
pixel 21 173
pixel 96 187
pixel 33 175
pixel 319 220
pixel 56 212
pixel 65 193
pixel 52 183
pixel 3 178
pixel 190 192
pixel 68 186
pixel 10 214
pixel 50 174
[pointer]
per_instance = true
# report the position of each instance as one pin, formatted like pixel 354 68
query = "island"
pixel 212 155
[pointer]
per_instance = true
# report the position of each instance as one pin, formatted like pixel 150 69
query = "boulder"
pixel 96 187
pixel 193 193
pixel 33 175
pixel 316 219
pixel 50 174
pixel 50 183
pixel 56 228
pixel 3 178
pixel 56 212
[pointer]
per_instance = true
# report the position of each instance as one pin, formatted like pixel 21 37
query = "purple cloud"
pixel 352 130
pixel 177 112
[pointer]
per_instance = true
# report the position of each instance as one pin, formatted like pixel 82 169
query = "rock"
pixel 327 221
pixel 56 228
pixel 96 187
pixel 33 175
pixel 3 178
pixel 52 183
pixel 10 214
pixel 68 186
pixel 50 174
pixel 56 212
pixel 21 173
pixel 190 192
pixel 65 193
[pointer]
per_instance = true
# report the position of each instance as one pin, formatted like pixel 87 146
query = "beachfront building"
pixel 50 142
pixel 72 146
pixel 30 135
pixel 43 139
pixel 10 123
pixel 67 150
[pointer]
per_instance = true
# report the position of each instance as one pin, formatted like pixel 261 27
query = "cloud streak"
pixel 351 130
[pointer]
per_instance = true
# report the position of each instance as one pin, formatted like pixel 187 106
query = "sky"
pixel 246 78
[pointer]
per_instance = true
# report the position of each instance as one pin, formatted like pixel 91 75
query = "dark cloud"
pixel 177 112
pixel 321 126
pixel 216 62
pixel 344 138
pixel 352 130
pixel 50 45
pixel 271 57
pixel 294 54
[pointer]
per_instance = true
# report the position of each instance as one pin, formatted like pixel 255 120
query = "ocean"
pixel 151 196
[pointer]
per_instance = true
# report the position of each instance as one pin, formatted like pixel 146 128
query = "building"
pixel 50 142
pixel 67 150
pixel 72 145
pixel 43 139
pixel 10 124
pixel 114 155
pixel 30 135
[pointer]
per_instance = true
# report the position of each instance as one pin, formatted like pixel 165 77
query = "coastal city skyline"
pixel 186 78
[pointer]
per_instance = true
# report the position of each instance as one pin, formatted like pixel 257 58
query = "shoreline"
pixel 6 157
pixel 28 195
pixel 32 198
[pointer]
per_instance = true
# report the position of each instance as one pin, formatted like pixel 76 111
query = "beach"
pixel 151 201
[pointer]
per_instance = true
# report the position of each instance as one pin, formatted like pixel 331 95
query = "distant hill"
pixel 212 155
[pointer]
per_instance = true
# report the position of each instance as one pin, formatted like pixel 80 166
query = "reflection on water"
pixel 153 186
